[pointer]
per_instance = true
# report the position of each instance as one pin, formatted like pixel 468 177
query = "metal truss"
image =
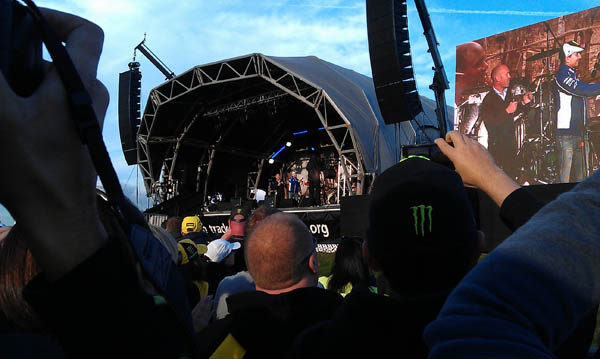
pixel 159 182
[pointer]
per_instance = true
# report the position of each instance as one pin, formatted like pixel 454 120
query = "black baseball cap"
pixel 422 230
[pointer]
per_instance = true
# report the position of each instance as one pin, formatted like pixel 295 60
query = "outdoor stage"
pixel 221 132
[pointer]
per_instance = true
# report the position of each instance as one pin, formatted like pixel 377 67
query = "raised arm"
pixel 476 166
pixel 530 292
pixel 574 86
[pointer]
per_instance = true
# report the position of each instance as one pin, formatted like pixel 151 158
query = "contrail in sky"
pixel 496 12
pixel 433 10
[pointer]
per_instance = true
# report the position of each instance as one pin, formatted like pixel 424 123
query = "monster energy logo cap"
pixel 421 225
pixel 423 219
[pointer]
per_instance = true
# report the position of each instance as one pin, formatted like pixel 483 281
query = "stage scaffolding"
pixel 206 95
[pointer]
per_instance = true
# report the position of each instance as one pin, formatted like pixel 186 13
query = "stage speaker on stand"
pixel 391 64
pixel 129 110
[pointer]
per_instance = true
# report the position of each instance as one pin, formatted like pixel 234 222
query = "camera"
pixel 429 150
pixel 20 48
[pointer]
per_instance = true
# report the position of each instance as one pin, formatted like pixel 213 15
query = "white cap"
pixel 220 248
pixel 571 47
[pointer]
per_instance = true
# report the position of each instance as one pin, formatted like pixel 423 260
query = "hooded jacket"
pixel 569 101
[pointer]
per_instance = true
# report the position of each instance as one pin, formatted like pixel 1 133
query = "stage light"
pixel 288 144
pixel 278 152
pixel 299 132
pixel 271 161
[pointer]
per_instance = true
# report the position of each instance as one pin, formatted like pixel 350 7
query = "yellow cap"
pixel 191 224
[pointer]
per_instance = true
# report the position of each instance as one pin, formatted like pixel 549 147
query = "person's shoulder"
pixel 324 281
pixel 563 70
pixel 242 278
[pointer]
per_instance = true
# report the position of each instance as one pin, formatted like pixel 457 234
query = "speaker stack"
pixel 391 64
pixel 129 110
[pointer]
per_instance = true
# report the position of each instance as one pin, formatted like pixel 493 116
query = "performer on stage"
pixel 498 111
pixel 294 189
pixel 569 98
pixel 314 180
pixel 279 189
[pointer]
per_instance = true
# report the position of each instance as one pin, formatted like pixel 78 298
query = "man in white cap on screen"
pixel 569 98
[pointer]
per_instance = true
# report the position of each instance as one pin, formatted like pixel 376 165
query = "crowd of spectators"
pixel 71 288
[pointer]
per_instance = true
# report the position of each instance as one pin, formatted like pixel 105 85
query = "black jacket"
pixel 265 325
pixel 368 325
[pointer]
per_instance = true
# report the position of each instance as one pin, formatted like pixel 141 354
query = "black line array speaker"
pixel 129 111
pixel 391 63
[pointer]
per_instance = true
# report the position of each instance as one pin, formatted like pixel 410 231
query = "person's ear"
pixel 369 259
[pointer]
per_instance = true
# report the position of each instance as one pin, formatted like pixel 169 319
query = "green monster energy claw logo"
pixel 419 212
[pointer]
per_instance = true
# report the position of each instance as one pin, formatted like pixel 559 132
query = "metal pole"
pixel 260 168
pixel 440 81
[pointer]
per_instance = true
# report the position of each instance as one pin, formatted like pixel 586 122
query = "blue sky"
pixel 187 33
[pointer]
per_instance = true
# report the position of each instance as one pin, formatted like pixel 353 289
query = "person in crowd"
pixel 532 291
pixel 471 70
pixel 167 240
pixel 423 238
pixel 569 101
pixel 236 233
pixel 22 333
pixel 219 261
pixel 53 198
pixel 220 250
pixel 349 269
pixel 517 205
pixel 17 267
pixel 498 111
pixel 192 228
pixel 241 281
pixel 193 267
pixel 4 232
pixel 282 260
pixel 173 226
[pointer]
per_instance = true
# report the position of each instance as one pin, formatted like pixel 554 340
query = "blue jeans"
pixel 570 156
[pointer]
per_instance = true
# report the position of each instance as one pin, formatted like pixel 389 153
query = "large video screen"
pixel 531 96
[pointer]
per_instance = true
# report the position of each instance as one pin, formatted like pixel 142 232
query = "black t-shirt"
pixel 314 168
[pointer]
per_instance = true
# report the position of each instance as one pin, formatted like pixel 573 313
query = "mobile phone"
pixel 20 48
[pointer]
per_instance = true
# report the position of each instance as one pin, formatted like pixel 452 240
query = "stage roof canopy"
pixel 246 107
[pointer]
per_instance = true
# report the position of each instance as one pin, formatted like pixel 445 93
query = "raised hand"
pixel 476 166
pixel 49 182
